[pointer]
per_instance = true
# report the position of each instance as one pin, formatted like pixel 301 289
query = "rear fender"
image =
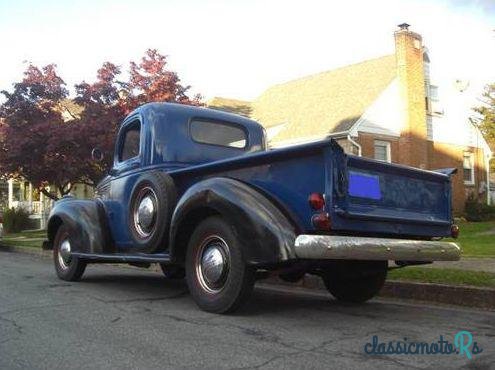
pixel 266 234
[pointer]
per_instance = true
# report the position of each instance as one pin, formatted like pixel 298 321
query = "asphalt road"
pixel 127 318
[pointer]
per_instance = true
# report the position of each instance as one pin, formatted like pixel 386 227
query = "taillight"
pixel 321 221
pixel 316 201
pixel 454 231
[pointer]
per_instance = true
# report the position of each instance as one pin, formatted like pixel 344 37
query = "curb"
pixel 466 296
pixel 26 250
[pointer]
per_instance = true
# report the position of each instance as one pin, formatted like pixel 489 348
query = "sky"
pixel 239 48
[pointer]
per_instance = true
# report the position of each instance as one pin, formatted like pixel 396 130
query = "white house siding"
pixel 385 116
pixel 454 126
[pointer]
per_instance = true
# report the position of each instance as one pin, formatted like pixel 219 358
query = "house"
pixel 386 108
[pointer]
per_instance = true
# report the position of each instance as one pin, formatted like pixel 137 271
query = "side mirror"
pixel 97 154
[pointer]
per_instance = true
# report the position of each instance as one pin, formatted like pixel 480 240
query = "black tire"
pixel 160 187
pixel 292 277
pixel 236 281
pixel 68 268
pixel 173 272
pixel 355 281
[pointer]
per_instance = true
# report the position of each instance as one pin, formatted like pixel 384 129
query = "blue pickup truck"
pixel 197 191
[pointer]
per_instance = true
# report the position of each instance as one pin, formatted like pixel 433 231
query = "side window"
pixel 130 142
pixel 218 133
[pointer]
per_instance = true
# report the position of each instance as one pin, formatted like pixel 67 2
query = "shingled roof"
pixel 231 105
pixel 324 103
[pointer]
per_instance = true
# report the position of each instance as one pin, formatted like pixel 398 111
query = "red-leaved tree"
pixel 43 141
pixel 35 142
pixel 102 111
pixel 109 99
pixel 150 80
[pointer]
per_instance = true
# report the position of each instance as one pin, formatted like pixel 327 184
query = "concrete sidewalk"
pixel 465 263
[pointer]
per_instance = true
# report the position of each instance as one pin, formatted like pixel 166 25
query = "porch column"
pixel 42 202
pixel 30 197
pixel 11 193
pixel 42 211
pixel 22 189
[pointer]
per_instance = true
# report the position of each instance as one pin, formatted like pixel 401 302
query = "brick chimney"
pixel 413 146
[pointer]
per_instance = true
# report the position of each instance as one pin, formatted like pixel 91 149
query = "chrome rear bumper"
pixel 363 248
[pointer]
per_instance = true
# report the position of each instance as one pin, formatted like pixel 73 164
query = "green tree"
pixel 486 117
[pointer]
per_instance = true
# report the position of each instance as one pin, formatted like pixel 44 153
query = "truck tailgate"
pixel 377 197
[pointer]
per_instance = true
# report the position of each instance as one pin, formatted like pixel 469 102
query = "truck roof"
pixel 170 129
pixel 194 111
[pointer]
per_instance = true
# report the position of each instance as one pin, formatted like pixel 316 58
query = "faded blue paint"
pixel 362 196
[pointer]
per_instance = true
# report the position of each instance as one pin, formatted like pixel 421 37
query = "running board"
pixel 124 258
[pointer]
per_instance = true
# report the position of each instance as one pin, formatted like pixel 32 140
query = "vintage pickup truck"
pixel 197 191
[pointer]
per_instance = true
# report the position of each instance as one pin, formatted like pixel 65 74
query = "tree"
pixel 46 143
pixel 35 142
pixel 103 108
pixel 486 117
pixel 108 100
pixel 150 80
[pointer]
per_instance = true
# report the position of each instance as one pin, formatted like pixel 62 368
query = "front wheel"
pixel 355 281
pixel 67 267
pixel 217 275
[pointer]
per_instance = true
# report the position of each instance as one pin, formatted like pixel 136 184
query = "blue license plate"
pixel 363 185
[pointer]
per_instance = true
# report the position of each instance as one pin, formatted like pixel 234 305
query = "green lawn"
pixel 32 239
pixel 477 239
pixel 443 276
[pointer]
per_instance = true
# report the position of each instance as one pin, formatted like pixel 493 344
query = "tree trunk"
pixel 48 194
pixel 65 189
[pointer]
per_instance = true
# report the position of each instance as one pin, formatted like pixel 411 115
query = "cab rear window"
pixel 218 133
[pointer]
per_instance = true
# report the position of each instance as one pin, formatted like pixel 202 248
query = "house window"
pixel 382 151
pixel 432 100
pixel 468 168
pixel 434 92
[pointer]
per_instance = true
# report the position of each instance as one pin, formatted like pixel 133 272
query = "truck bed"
pixel 362 196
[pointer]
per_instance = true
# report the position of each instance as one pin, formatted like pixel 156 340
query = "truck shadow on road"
pixel 264 300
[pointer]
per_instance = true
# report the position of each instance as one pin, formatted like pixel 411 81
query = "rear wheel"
pixel 67 267
pixel 218 277
pixel 355 281
pixel 173 272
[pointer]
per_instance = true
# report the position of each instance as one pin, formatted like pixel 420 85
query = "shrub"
pixel 15 220
pixel 477 211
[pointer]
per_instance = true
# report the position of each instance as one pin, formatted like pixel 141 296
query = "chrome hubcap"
pixel 212 264
pixel 64 254
pixel 145 212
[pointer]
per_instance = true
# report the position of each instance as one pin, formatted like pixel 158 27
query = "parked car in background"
pixel 197 191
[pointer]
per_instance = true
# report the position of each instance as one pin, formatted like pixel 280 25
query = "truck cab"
pixel 196 191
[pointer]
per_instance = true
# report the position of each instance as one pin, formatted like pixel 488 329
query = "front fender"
pixel 266 234
pixel 87 222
